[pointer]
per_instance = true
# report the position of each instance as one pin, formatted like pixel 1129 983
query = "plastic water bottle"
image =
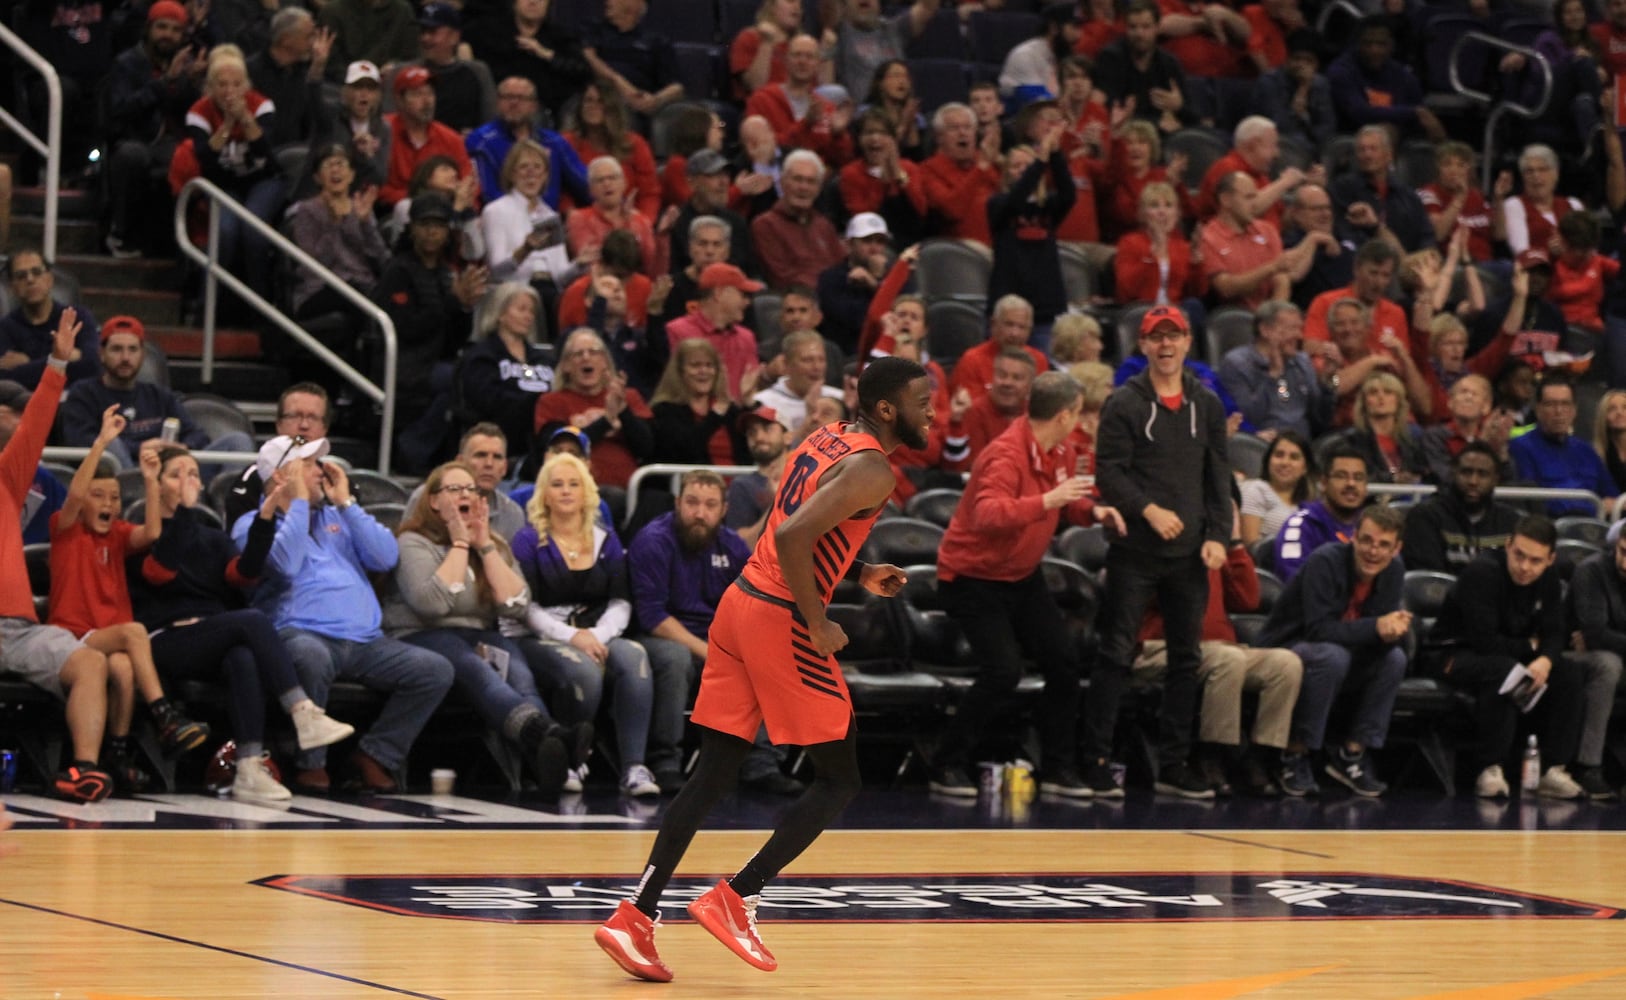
pixel 1530 770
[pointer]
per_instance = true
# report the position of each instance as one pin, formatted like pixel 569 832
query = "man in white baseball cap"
pixel 846 289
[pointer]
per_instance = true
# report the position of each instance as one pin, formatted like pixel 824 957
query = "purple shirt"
pixel 670 582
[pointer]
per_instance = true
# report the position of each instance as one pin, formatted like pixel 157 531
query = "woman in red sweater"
pixel 883 182
pixel 1156 264
pixel 602 127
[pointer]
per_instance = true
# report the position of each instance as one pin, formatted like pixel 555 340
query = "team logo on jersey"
pixel 1050 898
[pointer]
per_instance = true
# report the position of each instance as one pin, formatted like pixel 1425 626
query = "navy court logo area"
pixel 1047 898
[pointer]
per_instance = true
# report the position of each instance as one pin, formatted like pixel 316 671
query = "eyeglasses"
pixel 28 273
pixel 459 488
pixel 1347 477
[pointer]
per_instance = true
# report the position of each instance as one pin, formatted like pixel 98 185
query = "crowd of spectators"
pixel 577 255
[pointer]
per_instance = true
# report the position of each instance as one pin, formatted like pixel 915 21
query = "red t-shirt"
pixel 1578 292
pixel 743 53
pixel 1357 597
pixel 1267 39
pixel 1200 54
pixel 88 588
pixel 1612 43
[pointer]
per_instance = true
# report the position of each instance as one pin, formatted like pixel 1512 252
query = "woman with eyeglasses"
pixel 581 596
pixel 455 582
pixel 590 395
pixel 1288 483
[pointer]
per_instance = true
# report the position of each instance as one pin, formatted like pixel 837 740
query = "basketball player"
pixel 771 658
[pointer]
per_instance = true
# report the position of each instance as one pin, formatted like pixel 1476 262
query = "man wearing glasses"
pixel 518 117
pixel 1553 457
pixel 302 412
pixel 25 332
pixel 1328 520
pixel 1342 616
pixel 1332 265
pixel 1161 462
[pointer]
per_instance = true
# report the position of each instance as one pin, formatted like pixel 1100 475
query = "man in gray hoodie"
pixel 1161 461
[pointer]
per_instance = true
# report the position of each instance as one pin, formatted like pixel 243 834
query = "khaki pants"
pixel 1226 671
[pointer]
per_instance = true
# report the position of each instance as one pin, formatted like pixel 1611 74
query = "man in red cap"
pixel 724 291
pixel 1161 462
pixel 146 406
pixel 150 88
pixel 415 136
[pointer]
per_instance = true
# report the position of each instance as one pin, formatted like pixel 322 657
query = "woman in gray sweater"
pixel 454 581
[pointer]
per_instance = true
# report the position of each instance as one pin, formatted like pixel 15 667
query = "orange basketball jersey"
pixel 834 552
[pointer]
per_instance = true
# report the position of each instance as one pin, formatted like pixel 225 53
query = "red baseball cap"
pixel 167 10
pixel 123 324
pixel 1534 258
pixel 766 414
pixel 410 77
pixel 727 276
pixel 1158 315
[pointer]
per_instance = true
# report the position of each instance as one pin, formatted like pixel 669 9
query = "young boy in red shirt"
pixel 1581 275
pixel 90 597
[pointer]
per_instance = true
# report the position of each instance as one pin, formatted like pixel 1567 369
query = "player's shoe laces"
pixel 733 921
pixel 629 938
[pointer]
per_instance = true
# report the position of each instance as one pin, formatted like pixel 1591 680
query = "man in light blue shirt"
pixel 316 591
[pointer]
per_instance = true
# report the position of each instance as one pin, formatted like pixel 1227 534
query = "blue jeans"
pixel 1327 668
pixel 676 671
pixel 563 668
pixel 243 251
pixel 503 704
pixel 413 679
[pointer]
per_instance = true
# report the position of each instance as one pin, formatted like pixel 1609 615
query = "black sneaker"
pixel 1256 778
pixel 952 780
pixel 1355 773
pixel 178 733
pixel 1213 771
pixel 1065 780
pixel 1183 780
pixel 1592 783
pixel 1296 776
pixel 1103 783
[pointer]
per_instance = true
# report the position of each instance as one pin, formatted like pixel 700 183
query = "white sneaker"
pixel 1491 783
pixel 254 782
pixel 639 782
pixel 316 728
pixel 1557 784
pixel 574 778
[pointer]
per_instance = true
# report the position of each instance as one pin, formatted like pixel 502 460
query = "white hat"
pixel 361 69
pixel 866 224
pixel 282 449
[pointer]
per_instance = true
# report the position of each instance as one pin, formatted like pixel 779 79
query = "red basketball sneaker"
pixel 629 938
pixel 733 921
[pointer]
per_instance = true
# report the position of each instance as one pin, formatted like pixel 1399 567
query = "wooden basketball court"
pixel 253 910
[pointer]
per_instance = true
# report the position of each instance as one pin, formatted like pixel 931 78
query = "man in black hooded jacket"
pixel 1161 461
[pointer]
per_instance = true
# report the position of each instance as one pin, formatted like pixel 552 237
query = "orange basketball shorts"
pixel 761 667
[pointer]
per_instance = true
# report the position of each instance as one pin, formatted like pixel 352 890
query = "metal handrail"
pixel 215 272
pixel 672 469
pixel 1335 7
pixel 1487 160
pixel 1502 493
pixel 51 148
